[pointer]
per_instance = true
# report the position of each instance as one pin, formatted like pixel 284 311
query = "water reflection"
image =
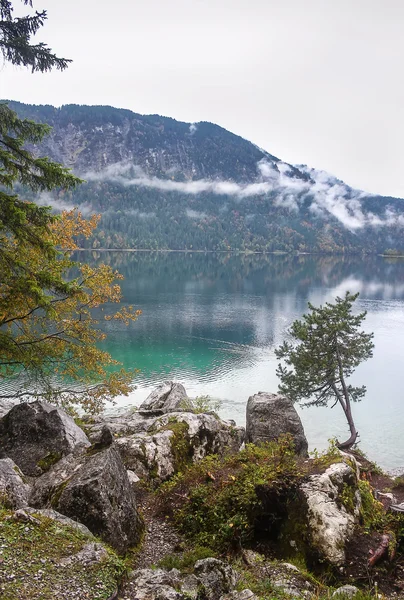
pixel 213 321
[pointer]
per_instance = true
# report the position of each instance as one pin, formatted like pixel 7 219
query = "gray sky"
pixel 319 82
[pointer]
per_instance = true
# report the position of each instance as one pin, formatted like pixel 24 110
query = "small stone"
pixel 345 591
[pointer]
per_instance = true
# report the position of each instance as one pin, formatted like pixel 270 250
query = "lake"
pixel 212 322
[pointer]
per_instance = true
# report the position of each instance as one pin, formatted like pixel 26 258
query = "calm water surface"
pixel 213 321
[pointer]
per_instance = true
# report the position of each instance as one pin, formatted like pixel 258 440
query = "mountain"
pixel 161 183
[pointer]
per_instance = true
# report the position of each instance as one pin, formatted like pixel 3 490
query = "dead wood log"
pixel 380 551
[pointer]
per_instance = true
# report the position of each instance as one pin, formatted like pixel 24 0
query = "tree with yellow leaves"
pixel 48 339
pixel 48 332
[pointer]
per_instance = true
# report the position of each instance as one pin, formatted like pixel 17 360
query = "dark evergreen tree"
pixel 15 40
pixel 329 348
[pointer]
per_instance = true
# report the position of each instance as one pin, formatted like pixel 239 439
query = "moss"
pixel 4 500
pixel 347 498
pixel 181 447
pixel 372 511
pixel 20 474
pixel 185 562
pixel 323 460
pixel 47 461
pixel 54 501
pixel 32 554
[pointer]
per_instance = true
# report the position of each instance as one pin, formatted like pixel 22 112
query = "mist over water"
pixel 212 322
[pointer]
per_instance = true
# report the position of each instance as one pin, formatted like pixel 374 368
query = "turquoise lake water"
pixel 212 322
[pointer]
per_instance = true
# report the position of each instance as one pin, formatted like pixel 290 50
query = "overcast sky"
pixel 319 82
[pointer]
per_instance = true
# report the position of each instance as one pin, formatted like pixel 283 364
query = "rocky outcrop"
pixel 333 507
pixel 158 441
pixel 35 435
pixel 14 492
pixel 212 580
pixel 167 397
pixel 46 489
pixel 99 495
pixel 270 416
pixel 174 440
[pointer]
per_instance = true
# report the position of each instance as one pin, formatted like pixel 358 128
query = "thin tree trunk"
pixel 346 407
pixel 348 412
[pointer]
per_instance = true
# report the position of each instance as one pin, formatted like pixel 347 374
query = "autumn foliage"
pixel 48 334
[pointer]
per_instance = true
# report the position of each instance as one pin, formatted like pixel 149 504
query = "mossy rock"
pixel 49 460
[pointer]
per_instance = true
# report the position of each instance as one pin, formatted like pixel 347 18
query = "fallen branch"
pixel 379 553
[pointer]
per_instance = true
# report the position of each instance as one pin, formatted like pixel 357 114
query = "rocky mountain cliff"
pixel 161 183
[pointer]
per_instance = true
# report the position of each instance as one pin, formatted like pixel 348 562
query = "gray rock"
pixel 155 455
pixel 149 456
pixel 14 492
pixel 217 577
pixel 288 587
pixel 330 524
pixel 190 586
pixel 55 516
pixel 167 397
pixel 99 495
pixel 36 434
pixel 133 478
pixel 345 591
pixel 91 554
pixel 47 488
pixel 243 595
pixel 103 437
pixel 155 584
pixel 271 415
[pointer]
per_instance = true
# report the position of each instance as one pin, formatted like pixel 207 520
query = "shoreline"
pixel 242 252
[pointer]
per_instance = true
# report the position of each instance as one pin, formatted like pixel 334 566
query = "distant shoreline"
pixel 244 252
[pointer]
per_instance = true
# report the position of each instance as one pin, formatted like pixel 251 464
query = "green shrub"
pixel 217 501
pixel 185 562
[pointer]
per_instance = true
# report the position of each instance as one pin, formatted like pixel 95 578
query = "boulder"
pixel 175 439
pixel 99 495
pixel 333 508
pixel 345 591
pixel 91 554
pixel 217 577
pixel 14 492
pixel 46 489
pixel 270 416
pixel 36 434
pixel 150 457
pixel 167 397
pixel 155 584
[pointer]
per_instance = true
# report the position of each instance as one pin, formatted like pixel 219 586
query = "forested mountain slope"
pixel 161 183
